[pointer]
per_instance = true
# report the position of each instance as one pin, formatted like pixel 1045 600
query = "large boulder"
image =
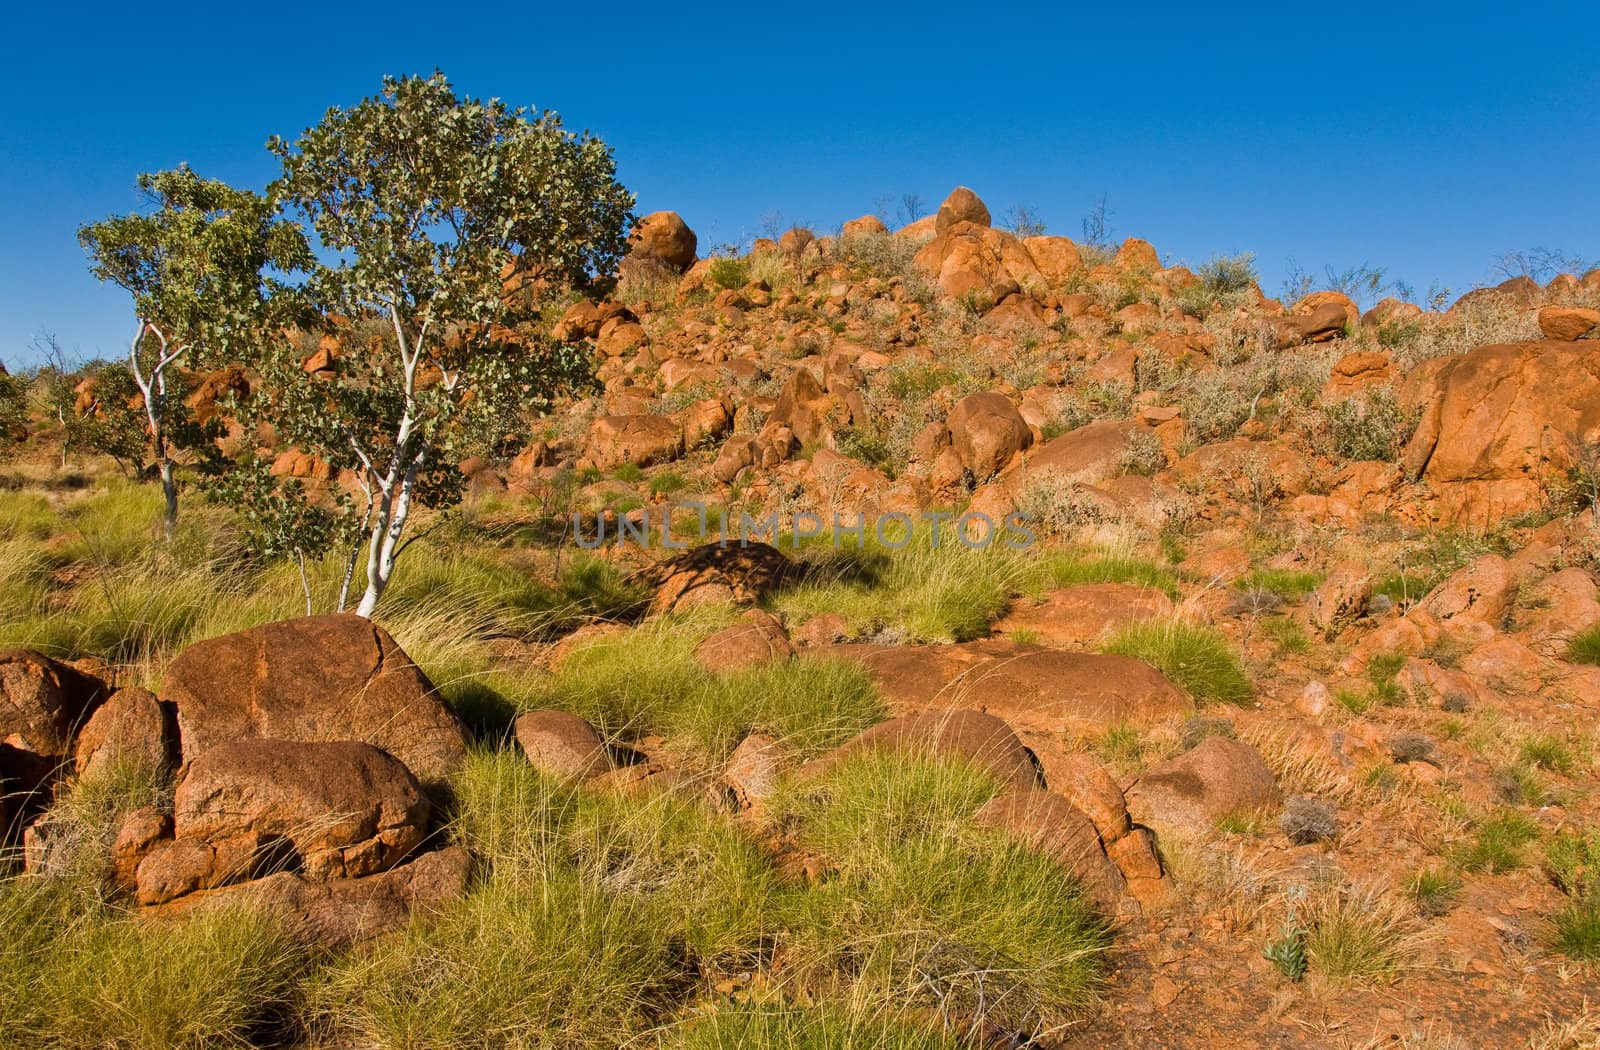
pixel 319 678
pixel 973 261
pixel 254 807
pixel 986 431
pixel 640 439
pixel 131 727
pixel 1047 690
pixel 961 206
pixel 1192 792
pixel 43 703
pixel 1502 422
pixel 1057 258
pixel 663 237
pixel 963 735
pixel 336 913
pixel 742 570
pixel 1567 322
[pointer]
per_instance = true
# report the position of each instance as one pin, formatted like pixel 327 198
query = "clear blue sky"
pixel 1425 139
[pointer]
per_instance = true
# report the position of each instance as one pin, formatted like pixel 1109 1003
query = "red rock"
pixel 755 640
pixel 1083 615
pixel 664 237
pixel 1201 786
pixel 986 432
pixel 1567 322
pixel 319 678
pixel 644 440
pixel 961 206
pixel 562 745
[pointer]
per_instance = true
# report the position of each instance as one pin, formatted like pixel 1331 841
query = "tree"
pixel 1023 221
pixel 422 200
pixel 13 410
pixel 197 268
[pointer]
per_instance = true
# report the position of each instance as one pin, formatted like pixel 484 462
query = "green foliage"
pixel 1433 890
pixel 112 422
pixel 1549 751
pixel 1496 845
pixel 727 271
pixel 922 906
pixel 13 410
pixel 827 1027
pixel 1289 584
pixel 75 975
pixel 647 681
pixel 1287 951
pixel 1372 425
pixel 420 199
pixel 1359 932
pixel 1584 648
pixel 554 962
pixel 924 590
pixel 1575 929
pixel 1573 861
pixel 1227 275
pixel 197 267
pixel 1195 658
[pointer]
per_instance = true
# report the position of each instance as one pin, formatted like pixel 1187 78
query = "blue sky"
pixel 1426 139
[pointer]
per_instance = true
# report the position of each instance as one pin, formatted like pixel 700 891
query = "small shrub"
pixel 1433 891
pixel 726 271
pixel 1368 426
pixel 1225 275
pixel 1144 455
pixel 1584 648
pixel 629 472
pixel 1286 633
pixel 1549 751
pixel 1575 929
pixel 1359 933
pixel 1195 658
pixel 1307 820
pixel 1496 845
pixel 1288 951
pixel 1411 747
pixel 1289 584
pixel 823 1027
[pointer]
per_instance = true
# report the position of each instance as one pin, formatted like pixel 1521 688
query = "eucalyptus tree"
pixel 199 265
pixel 422 201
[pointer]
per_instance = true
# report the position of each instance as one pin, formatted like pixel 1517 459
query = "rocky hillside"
pixel 1126 658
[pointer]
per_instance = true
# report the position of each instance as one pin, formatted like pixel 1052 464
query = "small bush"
pixel 1359 933
pixel 1289 584
pixel 1496 845
pixel 1584 648
pixel 1195 658
pixel 1306 820
pixel 1226 275
pixel 1433 891
pixel 1368 426
pixel 554 963
pixel 1411 747
pixel 923 907
pixel 727 271
pixel 1575 929
pixel 72 975
pixel 1550 752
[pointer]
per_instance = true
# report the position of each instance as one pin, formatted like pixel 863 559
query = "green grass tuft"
pixel 1196 658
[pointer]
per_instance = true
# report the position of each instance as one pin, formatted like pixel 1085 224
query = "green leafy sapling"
pixel 422 200
pixel 198 264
